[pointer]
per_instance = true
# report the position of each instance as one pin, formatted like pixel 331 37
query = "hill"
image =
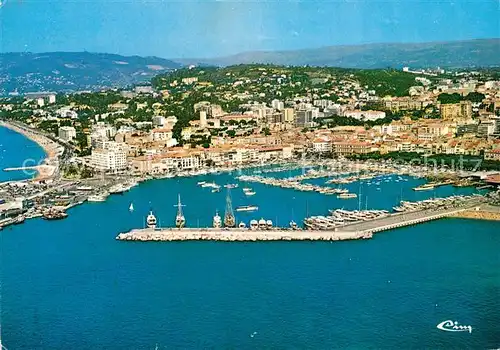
pixel 450 54
pixel 75 71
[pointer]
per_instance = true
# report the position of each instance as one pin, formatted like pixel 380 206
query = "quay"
pixel 398 220
pixel 237 235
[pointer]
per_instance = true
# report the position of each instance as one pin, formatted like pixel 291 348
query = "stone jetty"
pixel 238 235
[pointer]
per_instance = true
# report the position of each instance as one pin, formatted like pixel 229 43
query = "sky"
pixel 212 28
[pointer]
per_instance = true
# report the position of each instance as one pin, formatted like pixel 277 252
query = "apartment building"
pixel 111 157
pixel 345 148
pixel 453 111
pixel 66 133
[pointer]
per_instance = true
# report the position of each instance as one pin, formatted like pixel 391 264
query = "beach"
pixel 52 150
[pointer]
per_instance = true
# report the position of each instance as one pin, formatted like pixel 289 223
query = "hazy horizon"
pixel 210 28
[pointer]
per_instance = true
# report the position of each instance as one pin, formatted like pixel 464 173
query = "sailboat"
pixel 229 220
pixel 131 208
pixel 180 220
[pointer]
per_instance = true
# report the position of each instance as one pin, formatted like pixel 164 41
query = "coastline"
pixel 51 149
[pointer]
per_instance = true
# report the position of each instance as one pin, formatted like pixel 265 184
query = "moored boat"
pixel 180 220
pixel 247 208
pixel 347 195
pixel 425 187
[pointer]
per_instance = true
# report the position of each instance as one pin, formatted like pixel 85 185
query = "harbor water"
pixel 70 284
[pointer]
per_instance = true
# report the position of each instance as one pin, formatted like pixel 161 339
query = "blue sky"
pixel 209 28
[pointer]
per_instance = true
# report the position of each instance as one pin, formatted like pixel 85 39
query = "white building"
pixel 66 112
pixel 111 158
pixel 203 119
pixel 170 121
pixel 52 99
pixel 159 120
pixel 322 145
pixel 365 115
pixel 189 81
pixel 486 128
pixel 277 104
pixel 289 115
pixel 143 89
pixel 67 133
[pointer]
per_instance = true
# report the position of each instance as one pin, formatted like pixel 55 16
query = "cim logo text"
pixel 450 326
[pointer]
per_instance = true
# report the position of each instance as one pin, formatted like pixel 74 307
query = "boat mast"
pixel 229 219
pixel 359 196
pixel 179 206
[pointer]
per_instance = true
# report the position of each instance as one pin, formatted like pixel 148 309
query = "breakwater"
pixel 238 235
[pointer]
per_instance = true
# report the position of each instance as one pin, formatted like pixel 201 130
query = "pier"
pixel 407 219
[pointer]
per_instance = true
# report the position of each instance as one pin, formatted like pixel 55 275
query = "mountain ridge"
pixel 453 54
pixel 75 71
pixel 24 72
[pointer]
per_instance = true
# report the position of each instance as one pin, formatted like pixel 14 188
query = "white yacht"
pixel 247 208
pixel 242 225
pixel 262 224
pixel 293 225
pixel 217 221
pixel 151 220
pixel 347 195
pixel 254 224
pixel 269 224
pixel 131 208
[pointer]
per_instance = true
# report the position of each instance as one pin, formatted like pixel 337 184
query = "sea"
pixel 70 285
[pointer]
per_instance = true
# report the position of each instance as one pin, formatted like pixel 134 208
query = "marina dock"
pixel 359 230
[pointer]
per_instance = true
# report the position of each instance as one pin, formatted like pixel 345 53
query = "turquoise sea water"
pixel 15 149
pixel 69 284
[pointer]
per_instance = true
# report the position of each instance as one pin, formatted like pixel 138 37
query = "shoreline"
pixel 50 162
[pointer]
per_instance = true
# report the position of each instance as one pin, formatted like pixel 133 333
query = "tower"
pixel 203 119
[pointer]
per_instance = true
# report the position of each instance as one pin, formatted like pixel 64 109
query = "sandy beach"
pixel 52 149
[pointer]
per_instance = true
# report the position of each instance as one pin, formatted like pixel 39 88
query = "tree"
pixel 475 97
pixel 449 98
